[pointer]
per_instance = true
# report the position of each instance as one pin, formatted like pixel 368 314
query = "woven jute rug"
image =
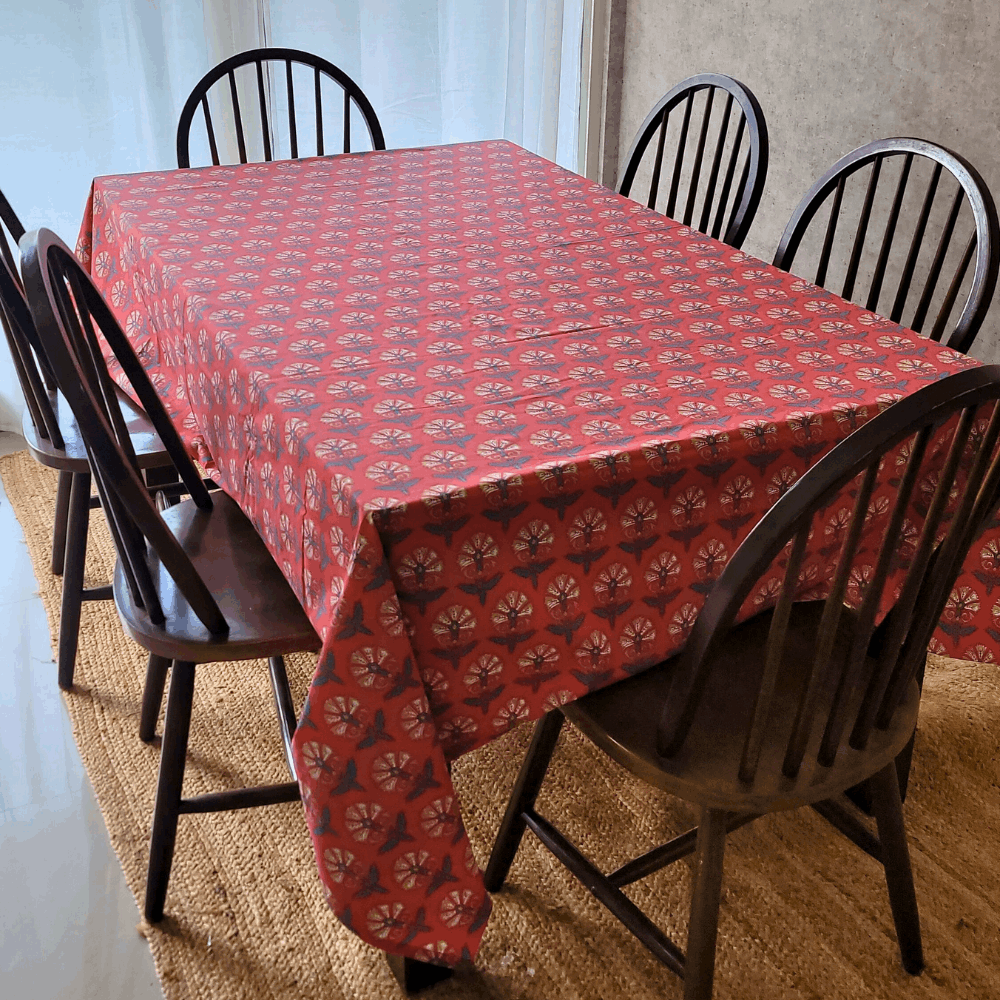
pixel 804 914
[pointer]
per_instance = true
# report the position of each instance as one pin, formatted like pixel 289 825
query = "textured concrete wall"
pixel 830 76
pixel 610 139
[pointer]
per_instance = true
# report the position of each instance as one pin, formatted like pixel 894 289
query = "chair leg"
pixel 414 975
pixel 699 964
pixel 163 475
pixel 78 519
pixel 59 529
pixel 176 726
pixel 152 695
pixel 898 873
pixel 285 707
pixel 903 763
pixel 529 782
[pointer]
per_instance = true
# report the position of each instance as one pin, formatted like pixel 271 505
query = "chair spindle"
pixel 347 122
pixel 698 157
pixel 953 289
pixel 237 117
pixel 654 184
pixel 713 175
pixel 833 608
pixel 871 602
pixel 902 613
pixel 902 293
pixel 917 323
pixel 730 173
pixel 675 180
pixel 319 115
pixel 875 290
pixel 831 230
pixel 213 147
pixel 265 128
pixel 862 231
pixel 772 665
pixel 293 135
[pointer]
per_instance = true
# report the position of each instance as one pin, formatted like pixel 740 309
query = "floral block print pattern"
pixel 501 429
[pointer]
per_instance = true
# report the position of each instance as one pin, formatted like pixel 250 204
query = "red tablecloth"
pixel 500 428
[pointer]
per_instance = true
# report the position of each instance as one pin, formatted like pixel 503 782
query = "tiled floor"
pixel 67 919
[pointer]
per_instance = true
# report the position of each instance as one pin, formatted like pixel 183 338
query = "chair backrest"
pixel 272 87
pixel 719 197
pixel 33 371
pixel 12 225
pixel 924 215
pixel 902 499
pixel 68 310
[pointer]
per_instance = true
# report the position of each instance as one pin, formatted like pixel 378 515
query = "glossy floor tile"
pixel 67 919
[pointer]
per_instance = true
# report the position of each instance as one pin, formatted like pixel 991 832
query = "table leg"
pixel 164 475
pixel 414 975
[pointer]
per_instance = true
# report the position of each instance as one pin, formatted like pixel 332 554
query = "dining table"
pixel 501 428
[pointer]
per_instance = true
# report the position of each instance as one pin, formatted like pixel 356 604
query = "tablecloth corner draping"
pixel 500 428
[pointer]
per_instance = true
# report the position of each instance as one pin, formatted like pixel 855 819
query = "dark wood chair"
pixel 720 197
pixel 906 228
pixel 194 583
pixel 54 440
pixel 272 65
pixel 795 705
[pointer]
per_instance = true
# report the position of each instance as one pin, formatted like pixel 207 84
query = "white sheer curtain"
pixel 90 87
pixel 87 87
pixel 453 70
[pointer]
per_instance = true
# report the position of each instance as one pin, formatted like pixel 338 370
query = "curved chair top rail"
pixel 34 374
pixel 750 185
pixel 13 226
pixel 66 306
pixel 929 578
pixel 984 244
pixel 258 57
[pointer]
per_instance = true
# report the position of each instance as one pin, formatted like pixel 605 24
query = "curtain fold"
pixel 233 26
pixel 449 71
pixel 89 87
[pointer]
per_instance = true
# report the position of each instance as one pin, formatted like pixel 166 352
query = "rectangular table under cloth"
pixel 500 428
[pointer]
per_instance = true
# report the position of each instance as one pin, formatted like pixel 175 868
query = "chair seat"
pixel 264 615
pixel 149 449
pixel 622 720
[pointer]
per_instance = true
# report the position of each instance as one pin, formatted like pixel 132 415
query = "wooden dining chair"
pixel 711 138
pixel 269 97
pixel 906 228
pixel 194 582
pixel 795 704
pixel 54 440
